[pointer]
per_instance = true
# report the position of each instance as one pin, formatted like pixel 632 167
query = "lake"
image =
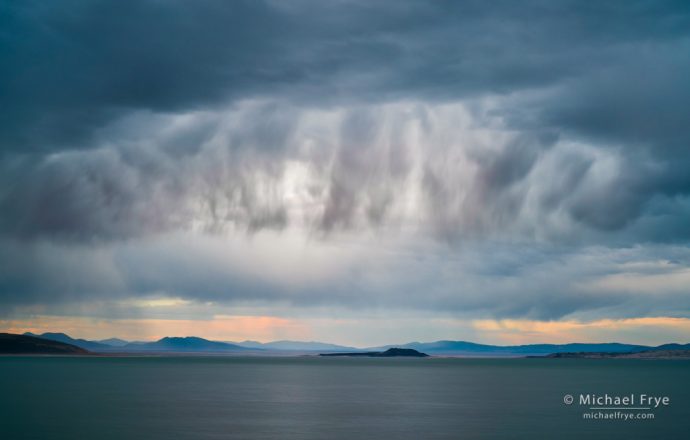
pixel 333 398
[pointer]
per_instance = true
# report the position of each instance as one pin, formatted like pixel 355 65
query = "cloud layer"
pixel 503 160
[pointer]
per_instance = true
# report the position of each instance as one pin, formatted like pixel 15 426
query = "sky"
pixel 354 172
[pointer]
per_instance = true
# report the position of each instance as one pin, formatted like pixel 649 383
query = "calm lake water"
pixel 331 398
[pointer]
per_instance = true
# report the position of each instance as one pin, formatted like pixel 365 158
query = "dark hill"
pixel 23 344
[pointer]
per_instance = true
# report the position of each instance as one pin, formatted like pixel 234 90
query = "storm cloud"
pixel 544 134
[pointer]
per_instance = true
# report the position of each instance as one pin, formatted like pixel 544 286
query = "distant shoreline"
pixel 60 344
pixel 650 354
pixel 555 357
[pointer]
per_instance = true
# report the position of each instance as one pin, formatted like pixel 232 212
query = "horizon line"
pixel 350 345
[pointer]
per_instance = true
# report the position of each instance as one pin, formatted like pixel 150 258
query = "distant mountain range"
pixel 83 343
pixel 192 344
pixel 439 348
pixel 186 344
pixel 463 348
pixel 167 344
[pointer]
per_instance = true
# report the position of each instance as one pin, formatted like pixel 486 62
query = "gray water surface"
pixel 330 398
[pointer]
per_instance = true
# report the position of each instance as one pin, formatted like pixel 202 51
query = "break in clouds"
pixel 464 158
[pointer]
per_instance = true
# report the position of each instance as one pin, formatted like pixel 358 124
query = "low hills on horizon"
pixel 193 344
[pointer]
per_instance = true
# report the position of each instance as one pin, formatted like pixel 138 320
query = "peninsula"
pixel 23 344
pixel 649 354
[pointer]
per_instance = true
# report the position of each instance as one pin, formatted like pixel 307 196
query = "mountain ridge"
pixel 66 339
pixel 465 347
pixel 440 347
pixel 183 344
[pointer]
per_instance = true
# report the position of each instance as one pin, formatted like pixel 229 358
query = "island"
pixel 391 352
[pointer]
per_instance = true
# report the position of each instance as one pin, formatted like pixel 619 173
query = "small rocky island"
pixel 391 352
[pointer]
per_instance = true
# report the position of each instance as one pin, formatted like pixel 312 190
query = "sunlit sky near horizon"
pixel 354 172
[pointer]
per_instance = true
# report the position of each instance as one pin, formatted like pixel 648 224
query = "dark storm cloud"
pixel 558 122
pixel 69 68
pixel 613 73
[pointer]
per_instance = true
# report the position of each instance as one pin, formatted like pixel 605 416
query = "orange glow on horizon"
pixel 648 331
